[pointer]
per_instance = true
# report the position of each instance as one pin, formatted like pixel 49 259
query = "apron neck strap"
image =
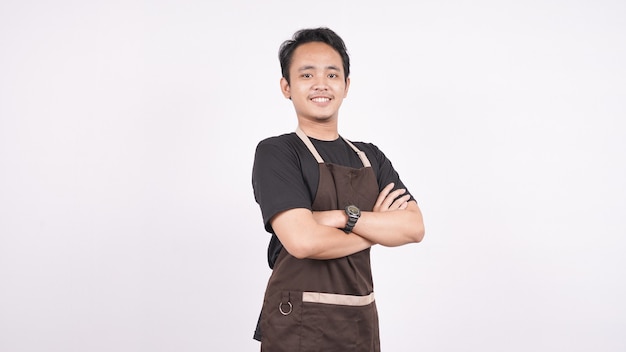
pixel 318 157
pixel 309 145
pixel 362 156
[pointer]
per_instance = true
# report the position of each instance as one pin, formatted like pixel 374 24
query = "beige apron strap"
pixel 309 145
pixel 364 159
pixel 318 157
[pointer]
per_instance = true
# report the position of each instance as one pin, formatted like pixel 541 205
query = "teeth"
pixel 320 100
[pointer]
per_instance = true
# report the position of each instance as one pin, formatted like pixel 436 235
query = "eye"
pixel 307 75
pixel 332 75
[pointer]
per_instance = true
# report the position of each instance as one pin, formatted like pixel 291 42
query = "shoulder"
pixel 282 140
pixel 377 158
pixel 369 148
pixel 285 144
pixel 285 149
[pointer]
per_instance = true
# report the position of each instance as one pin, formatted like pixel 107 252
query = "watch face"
pixel 353 210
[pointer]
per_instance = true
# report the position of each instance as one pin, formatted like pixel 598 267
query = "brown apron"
pixel 325 305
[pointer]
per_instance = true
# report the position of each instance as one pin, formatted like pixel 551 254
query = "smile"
pixel 321 99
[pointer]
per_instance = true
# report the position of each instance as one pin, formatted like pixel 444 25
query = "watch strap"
pixel 350 224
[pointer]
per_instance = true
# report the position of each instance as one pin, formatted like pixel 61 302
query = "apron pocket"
pixel 289 325
pixel 329 327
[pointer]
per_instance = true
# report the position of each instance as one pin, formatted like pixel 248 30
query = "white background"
pixel 127 135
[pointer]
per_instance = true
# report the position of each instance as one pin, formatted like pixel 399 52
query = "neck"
pixel 325 131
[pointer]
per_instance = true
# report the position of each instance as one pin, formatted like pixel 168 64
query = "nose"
pixel 320 83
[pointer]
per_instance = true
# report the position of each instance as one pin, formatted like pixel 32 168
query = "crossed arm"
pixel 394 221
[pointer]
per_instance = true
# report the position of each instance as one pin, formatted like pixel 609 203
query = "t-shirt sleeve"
pixel 385 172
pixel 277 180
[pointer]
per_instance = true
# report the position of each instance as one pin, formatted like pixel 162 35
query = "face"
pixel 318 84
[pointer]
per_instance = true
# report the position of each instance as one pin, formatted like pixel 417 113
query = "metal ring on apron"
pixel 280 308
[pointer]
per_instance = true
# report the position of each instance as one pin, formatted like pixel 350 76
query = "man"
pixel 326 201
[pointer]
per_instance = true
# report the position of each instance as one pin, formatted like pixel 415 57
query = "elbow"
pixel 418 229
pixel 417 235
pixel 299 250
pixel 298 254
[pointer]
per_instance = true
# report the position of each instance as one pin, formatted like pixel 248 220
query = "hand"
pixel 390 201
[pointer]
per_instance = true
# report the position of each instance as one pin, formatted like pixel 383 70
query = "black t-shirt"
pixel 285 174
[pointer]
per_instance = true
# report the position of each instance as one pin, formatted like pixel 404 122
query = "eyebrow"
pixel 310 67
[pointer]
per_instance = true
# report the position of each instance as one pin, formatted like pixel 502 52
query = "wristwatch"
pixel 353 215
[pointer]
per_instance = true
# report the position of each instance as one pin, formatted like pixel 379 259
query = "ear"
pixel 345 93
pixel 284 87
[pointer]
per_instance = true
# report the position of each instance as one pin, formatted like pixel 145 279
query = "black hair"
pixel 303 36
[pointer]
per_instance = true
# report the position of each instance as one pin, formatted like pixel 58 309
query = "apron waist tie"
pixel 333 298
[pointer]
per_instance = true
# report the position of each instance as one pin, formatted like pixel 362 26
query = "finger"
pixel 402 201
pixel 391 197
pixel 383 194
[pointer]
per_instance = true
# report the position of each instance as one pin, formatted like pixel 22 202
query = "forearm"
pixel 332 243
pixel 390 228
pixel 304 237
